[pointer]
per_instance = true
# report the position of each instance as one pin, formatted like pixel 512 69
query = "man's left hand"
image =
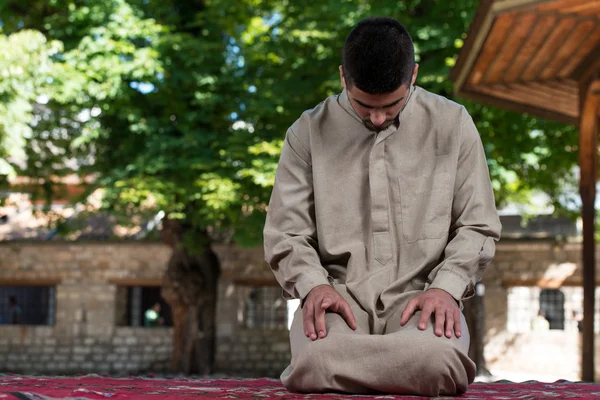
pixel 442 305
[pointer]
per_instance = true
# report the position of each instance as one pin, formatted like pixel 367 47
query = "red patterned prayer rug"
pixel 94 387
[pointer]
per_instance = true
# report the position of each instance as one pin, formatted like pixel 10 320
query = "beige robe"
pixel 381 216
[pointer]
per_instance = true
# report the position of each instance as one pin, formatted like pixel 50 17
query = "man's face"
pixel 378 111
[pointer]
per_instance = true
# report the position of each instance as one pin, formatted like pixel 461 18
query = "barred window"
pixel 142 306
pixel 27 305
pixel 561 308
pixel 265 308
pixel 552 307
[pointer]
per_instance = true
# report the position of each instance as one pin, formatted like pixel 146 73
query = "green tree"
pixel 181 107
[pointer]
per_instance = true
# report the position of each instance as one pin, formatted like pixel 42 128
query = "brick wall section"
pixel 40 350
pixel 533 263
pixel 254 352
pixel 242 351
pixel 85 337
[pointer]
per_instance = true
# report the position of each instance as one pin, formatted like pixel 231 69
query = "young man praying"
pixel 381 221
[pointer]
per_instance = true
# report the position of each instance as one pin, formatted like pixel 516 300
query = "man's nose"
pixel 377 118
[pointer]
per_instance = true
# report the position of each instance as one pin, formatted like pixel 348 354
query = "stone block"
pixel 119 366
pixel 88 366
pixel 131 340
pixel 82 350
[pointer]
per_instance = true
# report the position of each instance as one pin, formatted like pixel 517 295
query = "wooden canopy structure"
pixel 542 57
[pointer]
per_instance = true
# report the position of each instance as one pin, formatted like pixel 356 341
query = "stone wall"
pixel 543 264
pixel 84 337
pixel 41 350
pixel 89 280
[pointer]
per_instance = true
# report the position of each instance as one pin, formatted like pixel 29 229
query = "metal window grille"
pixel 552 307
pixel 563 308
pixel 36 304
pixel 265 308
pixel 136 300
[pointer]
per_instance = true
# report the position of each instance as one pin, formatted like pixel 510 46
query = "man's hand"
pixel 318 300
pixel 442 304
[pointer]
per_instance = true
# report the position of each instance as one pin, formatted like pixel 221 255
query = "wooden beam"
pixel 584 51
pixel 531 45
pixel 589 5
pixel 136 281
pixel 475 38
pixel 493 47
pixel 567 49
pixel 532 99
pixel 517 5
pixel 559 5
pixel 492 100
pixel 29 282
pixel 550 46
pixel 588 162
pixel 519 32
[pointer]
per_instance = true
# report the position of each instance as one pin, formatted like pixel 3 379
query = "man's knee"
pixel 310 367
pixel 445 369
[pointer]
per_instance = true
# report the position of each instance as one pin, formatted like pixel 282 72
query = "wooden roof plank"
pixel 552 90
pixel 542 28
pixel 567 49
pixel 519 32
pixel 594 13
pixel 587 45
pixel 542 97
pixel 524 95
pixel 516 106
pixel 558 5
pixel 498 33
pixel 565 85
pixel 548 49
pixel 589 5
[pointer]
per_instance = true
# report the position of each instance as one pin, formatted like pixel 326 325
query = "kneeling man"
pixel 381 220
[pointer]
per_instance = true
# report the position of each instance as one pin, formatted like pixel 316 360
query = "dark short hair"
pixel 379 56
pixel 12 299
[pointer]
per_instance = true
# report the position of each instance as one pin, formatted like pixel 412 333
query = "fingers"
pixel 410 309
pixel 315 308
pixel 320 309
pixel 449 323
pixel 425 315
pixel 308 320
pixel 457 327
pixel 343 308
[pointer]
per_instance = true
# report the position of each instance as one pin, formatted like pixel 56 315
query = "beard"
pixel 379 128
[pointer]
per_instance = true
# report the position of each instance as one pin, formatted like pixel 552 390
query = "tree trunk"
pixel 190 287
pixel 475 316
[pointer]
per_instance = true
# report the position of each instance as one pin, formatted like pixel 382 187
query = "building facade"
pixel 82 306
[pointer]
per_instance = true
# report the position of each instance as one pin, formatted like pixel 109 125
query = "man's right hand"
pixel 320 299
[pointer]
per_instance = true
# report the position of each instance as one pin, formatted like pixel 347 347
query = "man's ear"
pixel 342 79
pixel 415 73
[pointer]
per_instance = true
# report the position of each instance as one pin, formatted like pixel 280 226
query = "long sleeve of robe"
pixel 407 208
